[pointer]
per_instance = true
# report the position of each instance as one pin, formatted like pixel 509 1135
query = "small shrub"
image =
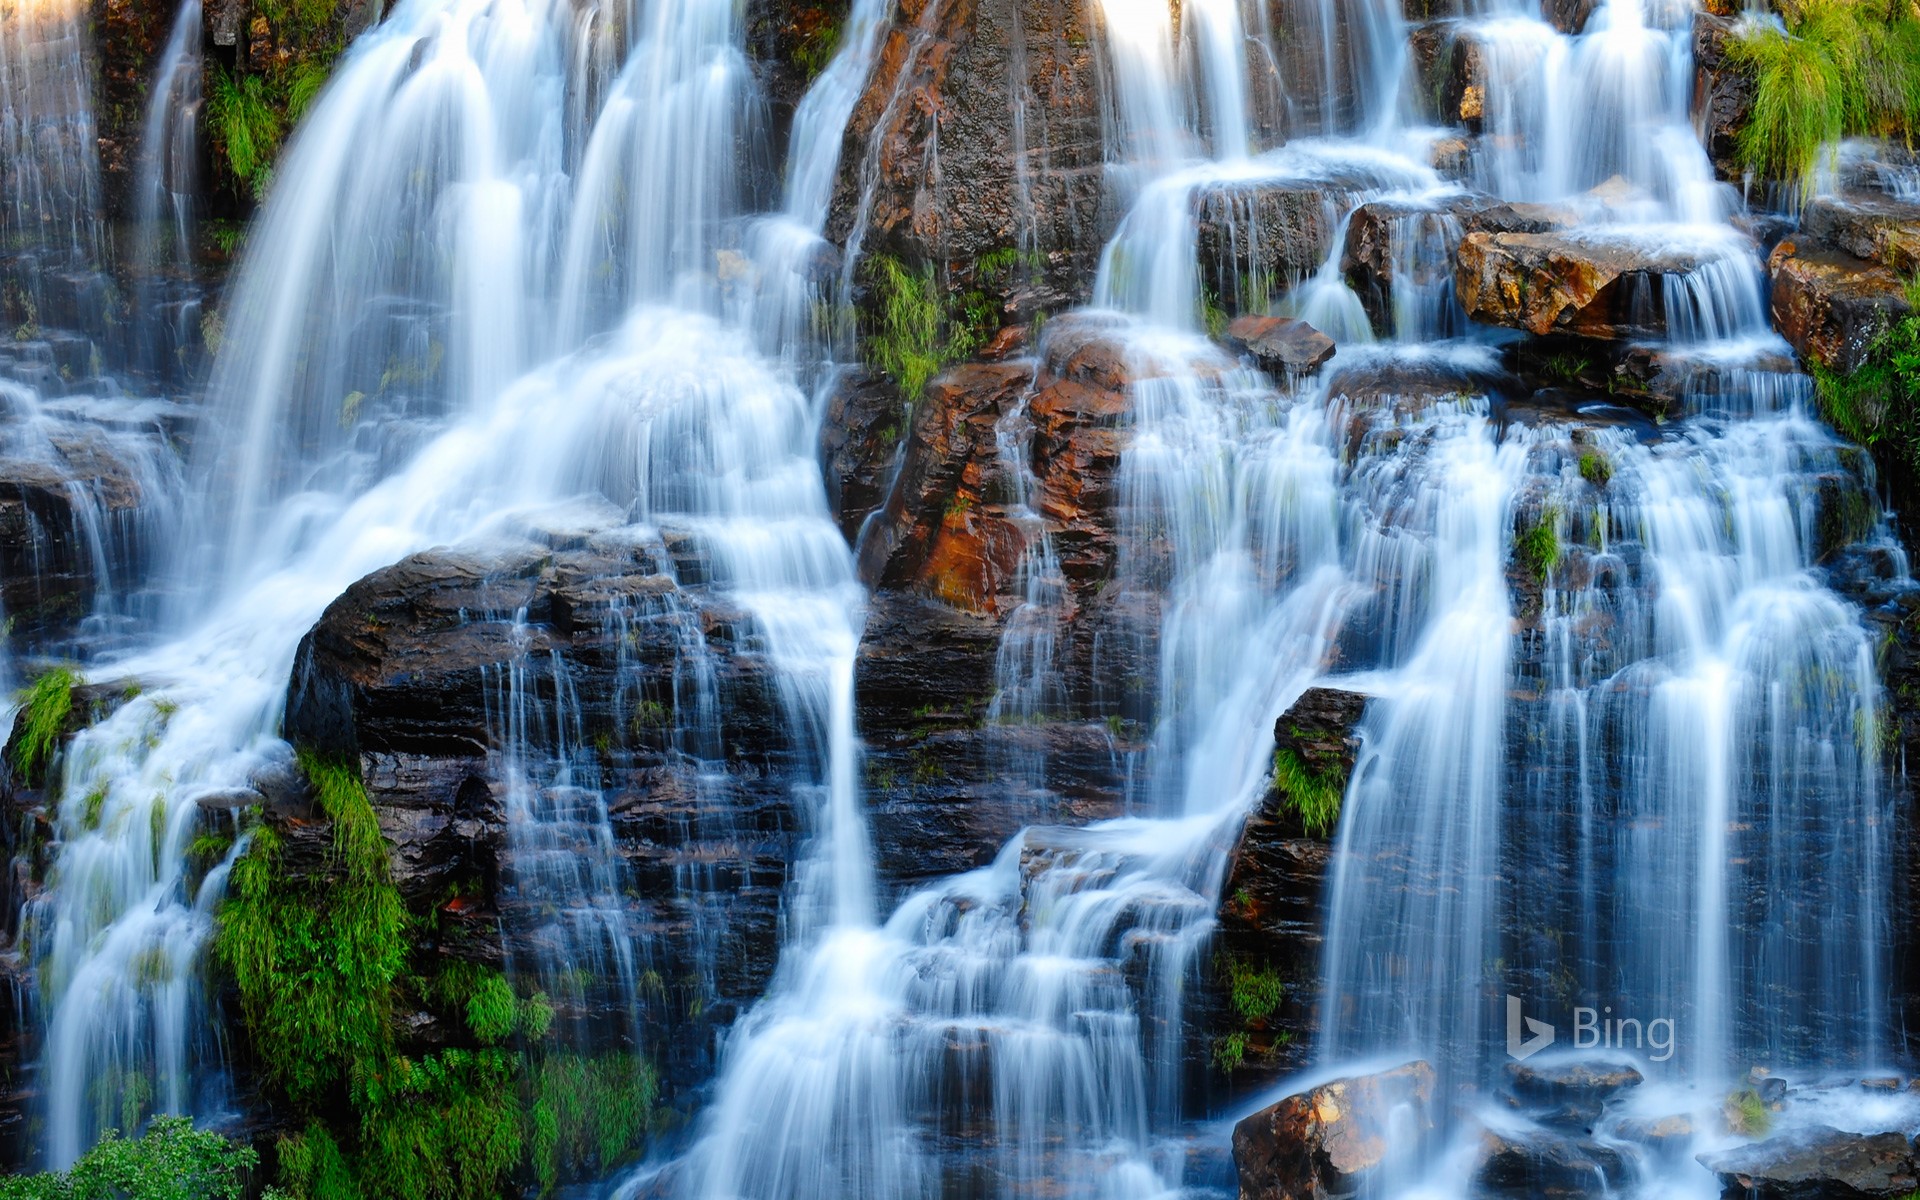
pixel 171 1161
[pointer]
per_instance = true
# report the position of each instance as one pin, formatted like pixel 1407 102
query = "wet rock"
pixel 1819 1164
pixel 1570 1081
pixel 1543 1165
pixel 52 508
pixel 1281 346
pixel 1270 919
pixel 948 528
pixel 412 674
pixel 1258 240
pixel 1327 1141
pixel 933 168
pixel 945 528
pixel 1568 16
pixel 866 418
pixel 1723 95
pixel 1569 282
pixel 1662 1134
pixel 1876 229
pixel 945 555
pixel 1830 305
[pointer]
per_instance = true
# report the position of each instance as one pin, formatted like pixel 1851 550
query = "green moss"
pixel 1878 405
pixel 587 1115
pixel 1254 995
pixel 816 36
pixel 171 1161
pixel 920 327
pixel 313 1166
pixel 1311 795
pixel 46 704
pixel 1594 468
pixel 1748 1114
pixel 321 966
pixel 1842 68
pixel 444 1126
pixel 906 341
pixel 1538 546
pixel 315 962
pixel 250 115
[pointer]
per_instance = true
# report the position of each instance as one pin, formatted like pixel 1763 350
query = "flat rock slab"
pixel 1567 282
pixel 1876 228
pixel 1281 345
pixel 1819 1164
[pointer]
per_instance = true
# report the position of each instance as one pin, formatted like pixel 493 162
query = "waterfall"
pixel 164 197
pixel 525 283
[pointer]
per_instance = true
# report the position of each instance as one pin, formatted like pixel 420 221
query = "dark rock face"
pixel 866 420
pixel 1325 1142
pixel 1819 1164
pixel 412 673
pixel 1722 96
pixel 62 509
pixel 1547 1166
pixel 1258 240
pixel 1873 228
pixel 1270 921
pixel 951 776
pixel 933 169
pixel 128 37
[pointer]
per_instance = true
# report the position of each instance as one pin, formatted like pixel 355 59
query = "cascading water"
pixel 165 192
pixel 514 286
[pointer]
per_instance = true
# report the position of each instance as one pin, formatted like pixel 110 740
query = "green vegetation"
pixel 1254 994
pixel 248 116
pixel 1313 796
pixel 1538 546
pixel 586 1113
pixel 46 703
pixel 321 966
pixel 920 327
pixel 1842 68
pixel 1594 468
pixel 1876 405
pixel 1747 1113
pixel 816 34
pixel 171 1161
pixel 246 123
pixel 315 965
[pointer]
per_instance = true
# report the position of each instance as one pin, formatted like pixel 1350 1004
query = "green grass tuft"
pixel 1312 796
pixel 1594 468
pixel 1538 546
pixel 46 703
pixel 1842 68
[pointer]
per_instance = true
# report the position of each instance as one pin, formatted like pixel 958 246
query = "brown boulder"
pixel 1568 283
pixel 1831 306
pixel 935 167
pixel 1281 345
pixel 1325 1142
